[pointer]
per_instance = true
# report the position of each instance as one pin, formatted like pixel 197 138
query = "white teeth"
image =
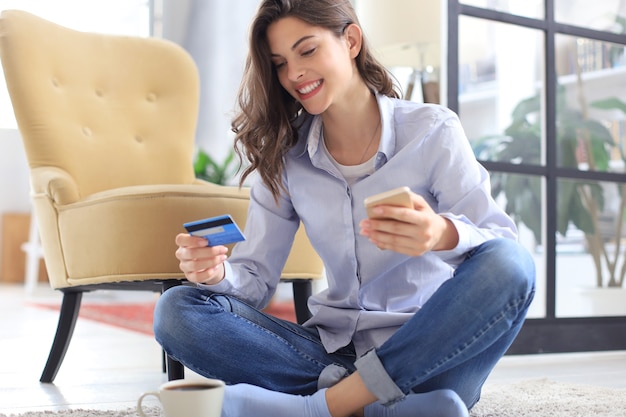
pixel 309 88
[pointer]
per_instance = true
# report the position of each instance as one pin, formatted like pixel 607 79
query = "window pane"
pixel 125 17
pixel 591 104
pixel 521 196
pixel 527 8
pixel 590 249
pixel 605 15
pixel 501 70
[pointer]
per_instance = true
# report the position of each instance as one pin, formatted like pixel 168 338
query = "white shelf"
pixel 616 75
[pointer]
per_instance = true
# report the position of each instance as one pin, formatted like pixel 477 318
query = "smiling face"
pixel 314 65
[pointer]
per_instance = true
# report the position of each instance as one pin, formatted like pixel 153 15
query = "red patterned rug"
pixel 138 316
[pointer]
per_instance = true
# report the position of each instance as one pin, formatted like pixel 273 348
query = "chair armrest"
pixel 199 181
pixel 55 183
pixel 135 192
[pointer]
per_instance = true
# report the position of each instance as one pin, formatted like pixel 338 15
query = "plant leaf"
pixel 200 163
pixel 611 103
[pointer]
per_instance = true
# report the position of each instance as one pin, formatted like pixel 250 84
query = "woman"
pixel 421 302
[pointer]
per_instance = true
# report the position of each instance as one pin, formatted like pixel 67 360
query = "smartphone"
pixel 397 197
pixel 220 230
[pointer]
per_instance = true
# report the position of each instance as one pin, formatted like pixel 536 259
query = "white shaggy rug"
pixel 534 398
pixel 131 412
pixel 545 398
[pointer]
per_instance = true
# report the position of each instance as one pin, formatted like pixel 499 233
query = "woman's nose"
pixel 294 72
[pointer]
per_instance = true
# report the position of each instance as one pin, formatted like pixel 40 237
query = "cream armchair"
pixel 108 126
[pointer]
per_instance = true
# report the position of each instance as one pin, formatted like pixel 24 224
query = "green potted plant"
pixel 209 169
pixel 580 203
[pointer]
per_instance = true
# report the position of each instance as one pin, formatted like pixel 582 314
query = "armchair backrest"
pixel 82 100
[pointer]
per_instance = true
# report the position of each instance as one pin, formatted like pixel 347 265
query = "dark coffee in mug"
pixel 191 387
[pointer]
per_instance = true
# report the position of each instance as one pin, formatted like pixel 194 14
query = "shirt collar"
pixel 312 132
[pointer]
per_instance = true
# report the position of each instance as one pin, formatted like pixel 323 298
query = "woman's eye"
pixel 308 52
pixel 279 65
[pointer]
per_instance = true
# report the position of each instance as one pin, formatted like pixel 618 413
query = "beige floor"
pixel 108 368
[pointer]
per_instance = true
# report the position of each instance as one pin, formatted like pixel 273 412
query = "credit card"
pixel 220 230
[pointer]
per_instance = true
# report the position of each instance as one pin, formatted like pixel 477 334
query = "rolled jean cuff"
pixel 377 380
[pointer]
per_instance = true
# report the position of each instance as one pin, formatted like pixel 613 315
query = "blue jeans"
pixel 453 341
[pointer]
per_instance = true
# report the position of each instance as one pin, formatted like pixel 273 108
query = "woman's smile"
pixel 308 90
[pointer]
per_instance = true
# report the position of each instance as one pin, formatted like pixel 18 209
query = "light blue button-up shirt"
pixel 370 292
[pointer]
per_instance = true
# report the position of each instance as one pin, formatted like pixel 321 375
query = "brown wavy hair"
pixel 265 123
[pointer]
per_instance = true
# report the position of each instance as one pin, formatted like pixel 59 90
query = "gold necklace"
pixel 370 143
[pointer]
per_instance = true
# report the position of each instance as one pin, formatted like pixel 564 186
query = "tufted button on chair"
pixel 108 125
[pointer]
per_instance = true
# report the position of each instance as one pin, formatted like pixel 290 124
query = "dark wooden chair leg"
pixel 175 369
pixel 302 290
pixel 65 328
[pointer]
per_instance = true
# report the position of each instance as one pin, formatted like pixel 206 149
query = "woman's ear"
pixel 354 37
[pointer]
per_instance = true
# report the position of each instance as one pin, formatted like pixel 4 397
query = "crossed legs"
pixel 450 345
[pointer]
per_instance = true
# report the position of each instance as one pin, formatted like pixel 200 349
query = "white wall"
pixel 217 39
pixel 14 180
pixel 174 16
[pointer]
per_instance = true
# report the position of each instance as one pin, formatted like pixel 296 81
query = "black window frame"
pixel 549 334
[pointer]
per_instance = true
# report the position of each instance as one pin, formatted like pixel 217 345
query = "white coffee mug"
pixel 188 398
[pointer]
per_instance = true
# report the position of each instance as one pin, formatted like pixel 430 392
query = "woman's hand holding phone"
pixel 402 221
pixel 199 262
